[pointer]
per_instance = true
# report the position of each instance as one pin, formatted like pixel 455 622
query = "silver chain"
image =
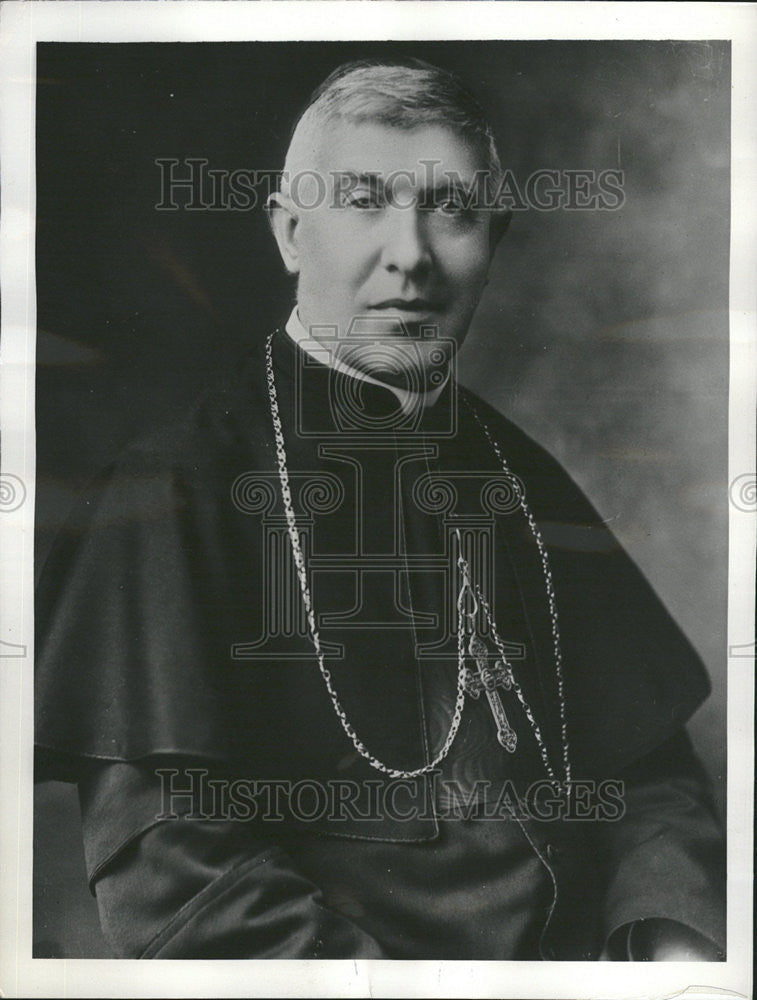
pixel 552 601
pixel 466 587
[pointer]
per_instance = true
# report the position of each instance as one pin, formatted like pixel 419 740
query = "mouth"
pixel 410 312
pixel 411 306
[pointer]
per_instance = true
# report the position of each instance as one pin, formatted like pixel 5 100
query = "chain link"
pixel 551 600
pixel 299 560
pixel 466 587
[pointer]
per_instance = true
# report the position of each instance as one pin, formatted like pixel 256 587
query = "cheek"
pixel 333 252
pixel 468 270
pixel 462 250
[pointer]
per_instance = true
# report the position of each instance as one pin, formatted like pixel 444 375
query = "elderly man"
pixel 344 664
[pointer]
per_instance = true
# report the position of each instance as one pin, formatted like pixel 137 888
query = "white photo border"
pixel 22 25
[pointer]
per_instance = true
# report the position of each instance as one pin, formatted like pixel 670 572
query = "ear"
pixel 498 226
pixel 283 219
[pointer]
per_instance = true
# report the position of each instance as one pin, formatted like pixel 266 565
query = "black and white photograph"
pixel 383 499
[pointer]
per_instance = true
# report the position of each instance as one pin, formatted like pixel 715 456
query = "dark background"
pixel 604 334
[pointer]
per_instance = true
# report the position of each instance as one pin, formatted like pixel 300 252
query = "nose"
pixel 406 246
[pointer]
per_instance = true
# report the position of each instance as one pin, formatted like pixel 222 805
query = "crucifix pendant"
pixel 488 679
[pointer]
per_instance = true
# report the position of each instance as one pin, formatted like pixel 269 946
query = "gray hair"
pixel 403 94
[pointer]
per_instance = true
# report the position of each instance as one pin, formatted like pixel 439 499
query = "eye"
pixel 363 200
pixel 450 206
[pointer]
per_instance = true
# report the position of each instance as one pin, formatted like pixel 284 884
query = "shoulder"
pixel 550 490
pixel 225 429
pixel 225 420
pixel 174 474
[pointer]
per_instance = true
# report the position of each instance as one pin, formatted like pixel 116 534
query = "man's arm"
pixel 664 863
pixel 199 888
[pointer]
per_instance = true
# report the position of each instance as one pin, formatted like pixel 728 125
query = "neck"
pixel 409 400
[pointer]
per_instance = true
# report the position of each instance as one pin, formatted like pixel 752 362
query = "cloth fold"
pixel 156 634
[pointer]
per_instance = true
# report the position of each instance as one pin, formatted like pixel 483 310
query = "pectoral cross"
pixel 488 679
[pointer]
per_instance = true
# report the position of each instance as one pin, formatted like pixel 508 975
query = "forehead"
pixel 370 147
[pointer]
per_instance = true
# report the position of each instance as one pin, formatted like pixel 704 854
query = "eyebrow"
pixel 450 177
pixel 376 181
pixel 371 179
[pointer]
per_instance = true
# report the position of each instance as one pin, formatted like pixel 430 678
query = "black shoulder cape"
pixel 157 579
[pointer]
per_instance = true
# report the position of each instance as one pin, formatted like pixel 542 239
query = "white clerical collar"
pixel 409 400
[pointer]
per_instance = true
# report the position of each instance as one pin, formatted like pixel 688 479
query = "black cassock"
pixel 173 652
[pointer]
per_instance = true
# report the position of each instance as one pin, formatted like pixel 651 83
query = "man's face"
pixel 382 245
